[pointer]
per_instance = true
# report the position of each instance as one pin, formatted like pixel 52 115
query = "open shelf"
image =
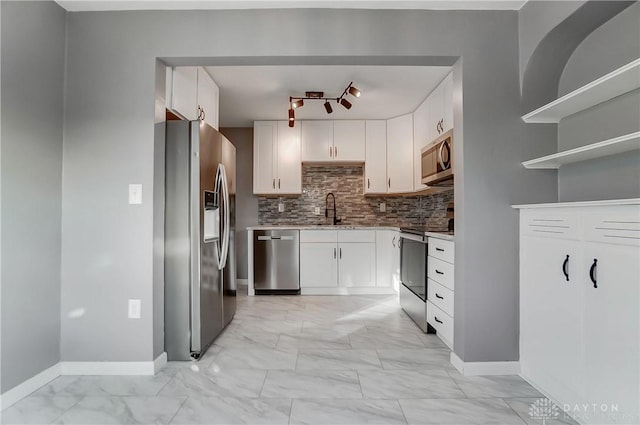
pixel 626 143
pixel 616 83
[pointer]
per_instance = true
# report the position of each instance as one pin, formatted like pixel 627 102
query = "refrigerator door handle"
pixel 227 219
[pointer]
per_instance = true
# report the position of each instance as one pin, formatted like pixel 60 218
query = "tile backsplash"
pixel 346 183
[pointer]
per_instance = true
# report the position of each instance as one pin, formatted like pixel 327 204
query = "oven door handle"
pixel 412 237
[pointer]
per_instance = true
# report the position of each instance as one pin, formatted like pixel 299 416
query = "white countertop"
pixel 444 236
pixel 632 201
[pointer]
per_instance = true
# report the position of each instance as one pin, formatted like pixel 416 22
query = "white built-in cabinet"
pixel 388 258
pixel 375 165
pixel 192 94
pixel 277 168
pixel 333 141
pixel 440 288
pixel 400 154
pixel 579 306
pixel 421 138
pixel 440 108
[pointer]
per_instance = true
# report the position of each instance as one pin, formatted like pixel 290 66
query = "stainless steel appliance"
pixel 437 161
pixel 276 261
pixel 200 282
pixel 413 275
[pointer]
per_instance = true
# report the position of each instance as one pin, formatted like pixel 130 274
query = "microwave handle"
pixel 444 145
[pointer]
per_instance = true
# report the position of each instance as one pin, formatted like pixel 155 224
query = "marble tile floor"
pixel 296 360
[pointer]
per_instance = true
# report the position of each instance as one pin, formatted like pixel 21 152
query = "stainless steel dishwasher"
pixel 276 261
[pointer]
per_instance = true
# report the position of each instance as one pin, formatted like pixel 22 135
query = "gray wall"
pixel 246 202
pixel 614 44
pixel 33 51
pixel 109 142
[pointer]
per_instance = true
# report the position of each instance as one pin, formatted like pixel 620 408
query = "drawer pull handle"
pixel 334 253
pixel 565 269
pixel 439 296
pixel 439 321
pixel 592 272
pixel 438 271
pixel 440 249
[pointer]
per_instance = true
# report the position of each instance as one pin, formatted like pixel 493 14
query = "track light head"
pixel 344 102
pixel 292 123
pixel 354 91
pixel 297 103
pixel 328 107
pixel 292 117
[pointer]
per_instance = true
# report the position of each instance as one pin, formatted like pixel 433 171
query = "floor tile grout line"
pixel 524 422
pixel 403 413
pixel 456 383
pixel 71 407
pixel 179 408
pixel 263 382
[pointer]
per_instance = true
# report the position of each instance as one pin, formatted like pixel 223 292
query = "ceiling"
pixel 86 5
pixel 253 93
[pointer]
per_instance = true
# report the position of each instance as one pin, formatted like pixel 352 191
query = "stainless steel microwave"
pixel 437 161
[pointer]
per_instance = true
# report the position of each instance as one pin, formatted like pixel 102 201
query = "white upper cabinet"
pixel 375 165
pixel 349 141
pixel 400 154
pixel 421 138
pixel 289 165
pixel 440 108
pixel 194 95
pixel 184 96
pixel 317 141
pixel 276 158
pixel 447 97
pixel 208 98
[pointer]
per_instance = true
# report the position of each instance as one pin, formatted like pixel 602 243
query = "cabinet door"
pixel 208 97
pixel 184 99
pixel 318 265
pixel 447 103
pixel 387 258
pixel 420 140
pixel 317 141
pixel 357 264
pixel 289 165
pixel 550 316
pixel 400 154
pixel 265 136
pixel 612 329
pixel 349 141
pixel 375 165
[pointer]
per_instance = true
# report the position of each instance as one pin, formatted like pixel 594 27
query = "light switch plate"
pixel 135 194
pixel 280 207
pixel 383 207
pixel 134 308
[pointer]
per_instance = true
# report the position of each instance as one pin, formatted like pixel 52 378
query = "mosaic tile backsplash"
pixel 346 183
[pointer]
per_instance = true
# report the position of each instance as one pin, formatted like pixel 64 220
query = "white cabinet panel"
pixel 265 135
pixel 551 315
pixel 421 138
pixel 375 167
pixel 441 249
pixel 442 322
pixel 349 140
pixel 440 296
pixel 317 141
pixel 357 236
pixel 208 98
pixel 612 326
pixel 436 105
pixel 400 154
pixel 357 264
pixel 447 103
pixel 184 98
pixel 388 258
pixel 441 271
pixel 319 236
pixel 289 165
pixel 318 265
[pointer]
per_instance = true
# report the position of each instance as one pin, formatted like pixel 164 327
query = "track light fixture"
pixel 298 102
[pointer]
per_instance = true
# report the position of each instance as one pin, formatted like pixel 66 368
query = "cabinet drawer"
pixel 441 249
pixel 442 322
pixel 441 272
pixel 364 236
pixel 319 236
pixel 440 296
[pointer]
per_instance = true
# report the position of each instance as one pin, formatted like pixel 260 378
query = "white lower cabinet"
pixel 580 309
pixel 340 262
pixel 388 258
pixel 440 288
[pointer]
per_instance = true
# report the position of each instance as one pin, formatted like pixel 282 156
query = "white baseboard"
pixel 244 282
pixel 349 291
pixel 107 368
pixel 484 368
pixel 159 362
pixel 20 391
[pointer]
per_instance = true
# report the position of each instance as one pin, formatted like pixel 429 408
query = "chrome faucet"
pixel 336 220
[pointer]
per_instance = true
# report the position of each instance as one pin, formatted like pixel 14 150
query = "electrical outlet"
pixel 134 308
pixel 383 207
pixel 281 207
pixel 317 211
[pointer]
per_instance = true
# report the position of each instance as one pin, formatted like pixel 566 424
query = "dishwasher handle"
pixel 275 238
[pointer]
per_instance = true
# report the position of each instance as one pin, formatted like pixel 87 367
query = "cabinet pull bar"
pixel 335 152
pixel 440 249
pixel 436 317
pixel 592 272
pixel 341 253
pixel 278 182
pixel 330 152
pixel 440 297
pixel 334 253
pixel 438 271
pixel 274 183
pixel 368 183
pixel 565 269
pixel 389 183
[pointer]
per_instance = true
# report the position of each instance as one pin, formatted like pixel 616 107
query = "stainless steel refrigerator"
pixel 199 270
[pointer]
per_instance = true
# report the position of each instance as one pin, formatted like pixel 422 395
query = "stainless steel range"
pixel 413 274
